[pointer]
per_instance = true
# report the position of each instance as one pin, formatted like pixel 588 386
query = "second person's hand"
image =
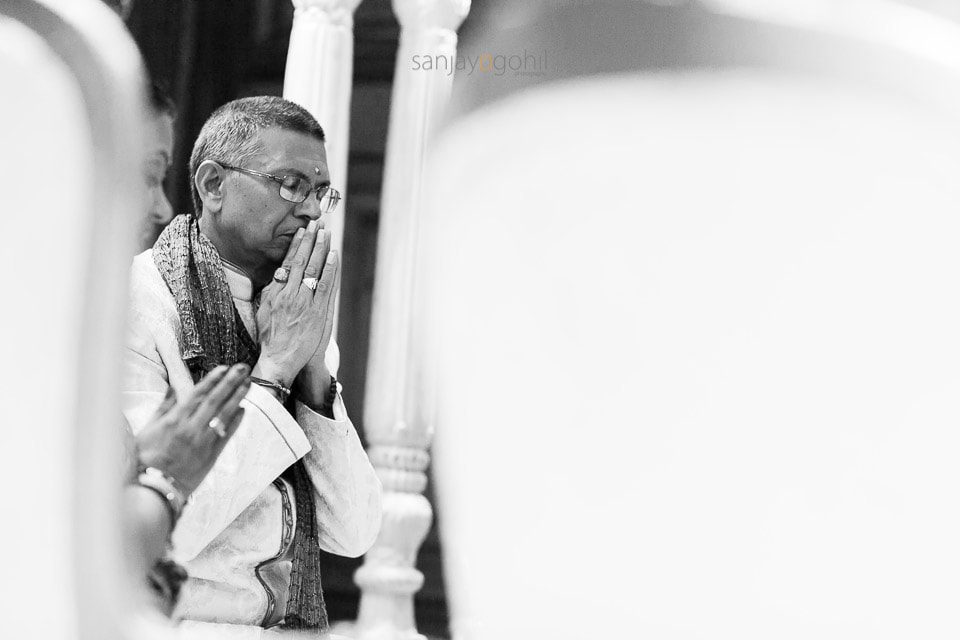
pixel 181 441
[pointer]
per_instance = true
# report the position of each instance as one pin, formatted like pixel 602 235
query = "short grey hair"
pixel 230 134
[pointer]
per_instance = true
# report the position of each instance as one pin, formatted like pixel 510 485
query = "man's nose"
pixel 310 209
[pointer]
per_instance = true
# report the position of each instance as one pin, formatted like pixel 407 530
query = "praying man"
pixel 249 277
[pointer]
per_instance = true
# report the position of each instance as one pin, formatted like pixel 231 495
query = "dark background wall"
pixel 207 53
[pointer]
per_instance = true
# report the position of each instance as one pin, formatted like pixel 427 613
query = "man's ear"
pixel 209 182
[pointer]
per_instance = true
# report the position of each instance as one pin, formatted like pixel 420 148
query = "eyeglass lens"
pixel 295 189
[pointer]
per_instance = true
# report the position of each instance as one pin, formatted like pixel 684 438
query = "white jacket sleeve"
pixel 348 491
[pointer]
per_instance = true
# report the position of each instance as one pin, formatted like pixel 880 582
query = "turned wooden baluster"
pixel 319 76
pixel 396 400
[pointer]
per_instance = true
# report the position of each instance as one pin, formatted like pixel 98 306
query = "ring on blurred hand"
pixel 310 283
pixel 218 426
pixel 281 275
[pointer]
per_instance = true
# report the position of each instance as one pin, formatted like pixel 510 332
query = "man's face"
pixel 255 225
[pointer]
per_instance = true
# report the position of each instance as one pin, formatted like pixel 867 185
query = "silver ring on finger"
pixel 310 283
pixel 281 275
pixel 218 426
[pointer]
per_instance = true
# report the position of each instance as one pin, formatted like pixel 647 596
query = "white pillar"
pixel 396 403
pixel 319 77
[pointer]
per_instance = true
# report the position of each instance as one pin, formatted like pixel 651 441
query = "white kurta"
pixel 234 520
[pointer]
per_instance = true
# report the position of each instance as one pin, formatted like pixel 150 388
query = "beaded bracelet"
pixel 331 396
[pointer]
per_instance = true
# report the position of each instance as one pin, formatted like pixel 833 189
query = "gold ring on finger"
pixel 218 426
pixel 310 283
pixel 281 275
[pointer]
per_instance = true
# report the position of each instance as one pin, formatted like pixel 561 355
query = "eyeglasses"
pixel 296 189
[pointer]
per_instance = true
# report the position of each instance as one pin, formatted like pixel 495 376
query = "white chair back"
pixel 696 293
pixel 70 170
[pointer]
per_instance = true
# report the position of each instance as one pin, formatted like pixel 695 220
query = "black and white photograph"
pixel 480 319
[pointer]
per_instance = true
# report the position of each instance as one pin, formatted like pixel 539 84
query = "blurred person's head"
pixel 158 158
pixel 253 158
pixel 122 7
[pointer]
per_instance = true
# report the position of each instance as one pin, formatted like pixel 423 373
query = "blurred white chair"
pixel 695 288
pixel 70 171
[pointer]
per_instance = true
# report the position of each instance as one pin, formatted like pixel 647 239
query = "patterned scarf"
pixel 212 333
